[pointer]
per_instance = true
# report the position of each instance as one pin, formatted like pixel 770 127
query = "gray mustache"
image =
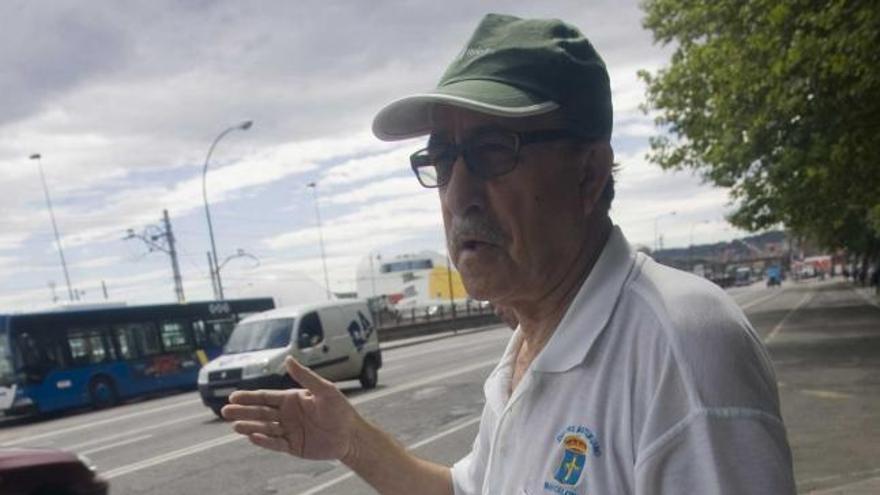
pixel 475 228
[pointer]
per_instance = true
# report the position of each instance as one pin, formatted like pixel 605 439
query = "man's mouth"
pixel 473 245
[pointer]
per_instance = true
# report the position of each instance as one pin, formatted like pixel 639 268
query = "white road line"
pixel 762 299
pixel 450 431
pixel 421 443
pixel 199 447
pixel 116 444
pixel 203 414
pixel 423 381
pixel 778 328
pixel 31 438
pixel 170 456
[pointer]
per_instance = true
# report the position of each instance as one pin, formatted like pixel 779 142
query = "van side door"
pixel 318 348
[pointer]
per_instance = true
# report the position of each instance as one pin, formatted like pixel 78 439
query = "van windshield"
pixel 259 335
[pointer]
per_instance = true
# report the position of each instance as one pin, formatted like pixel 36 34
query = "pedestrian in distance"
pixel 623 376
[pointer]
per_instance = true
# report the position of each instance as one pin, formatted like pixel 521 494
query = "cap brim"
pixel 411 116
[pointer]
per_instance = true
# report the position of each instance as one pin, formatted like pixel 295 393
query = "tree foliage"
pixel 779 100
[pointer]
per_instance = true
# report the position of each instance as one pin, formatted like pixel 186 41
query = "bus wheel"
pixel 369 374
pixel 217 412
pixel 102 392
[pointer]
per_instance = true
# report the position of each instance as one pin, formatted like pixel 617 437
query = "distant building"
pixel 410 280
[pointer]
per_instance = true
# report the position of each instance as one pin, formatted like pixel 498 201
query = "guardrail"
pixel 410 322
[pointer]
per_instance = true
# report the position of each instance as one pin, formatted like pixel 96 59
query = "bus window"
pixel 54 350
pixel 148 339
pixel 27 350
pixel 219 332
pixel 175 336
pixel 200 333
pixel 126 337
pixel 87 346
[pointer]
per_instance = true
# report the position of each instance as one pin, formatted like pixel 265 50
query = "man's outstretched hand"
pixel 314 422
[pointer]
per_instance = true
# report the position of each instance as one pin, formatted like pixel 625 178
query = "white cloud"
pixel 125 100
pixel 369 167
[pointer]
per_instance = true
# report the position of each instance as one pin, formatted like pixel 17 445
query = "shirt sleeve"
pixel 719 451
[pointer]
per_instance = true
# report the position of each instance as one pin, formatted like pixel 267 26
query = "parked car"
pixel 48 472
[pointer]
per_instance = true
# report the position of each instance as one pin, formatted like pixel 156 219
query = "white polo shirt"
pixel 653 383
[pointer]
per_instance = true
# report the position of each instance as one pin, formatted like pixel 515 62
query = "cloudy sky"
pixel 122 100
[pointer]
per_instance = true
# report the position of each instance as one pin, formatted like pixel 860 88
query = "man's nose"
pixel 464 191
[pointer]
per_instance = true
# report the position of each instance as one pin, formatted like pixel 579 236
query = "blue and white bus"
pixel 95 357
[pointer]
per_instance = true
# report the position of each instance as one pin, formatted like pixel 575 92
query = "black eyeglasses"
pixel 487 154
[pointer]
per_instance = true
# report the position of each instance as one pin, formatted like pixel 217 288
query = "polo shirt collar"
pixel 590 310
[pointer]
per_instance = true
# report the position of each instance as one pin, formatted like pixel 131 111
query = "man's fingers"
pixel 306 377
pixel 270 429
pixel 272 398
pixel 267 442
pixel 237 412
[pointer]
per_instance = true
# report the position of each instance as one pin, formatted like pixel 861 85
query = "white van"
pixel 335 339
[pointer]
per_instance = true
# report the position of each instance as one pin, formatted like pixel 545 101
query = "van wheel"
pixel 369 374
pixel 217 412
pixel 103 392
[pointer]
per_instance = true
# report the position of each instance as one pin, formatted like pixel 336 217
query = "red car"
pixel 48 472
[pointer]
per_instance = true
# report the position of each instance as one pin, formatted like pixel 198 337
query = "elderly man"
pixel 624 376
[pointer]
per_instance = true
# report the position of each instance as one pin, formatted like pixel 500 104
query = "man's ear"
pixel 596 164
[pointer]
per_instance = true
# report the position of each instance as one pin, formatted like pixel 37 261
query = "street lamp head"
pixel 35 156
pixel 246 125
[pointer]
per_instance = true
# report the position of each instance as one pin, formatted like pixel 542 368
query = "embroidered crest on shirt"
pixel 576 443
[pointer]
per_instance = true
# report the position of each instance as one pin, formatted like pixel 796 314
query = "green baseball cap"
pixel 514 67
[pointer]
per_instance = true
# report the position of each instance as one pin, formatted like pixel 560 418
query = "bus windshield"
pixel 7 372
pixel 259 335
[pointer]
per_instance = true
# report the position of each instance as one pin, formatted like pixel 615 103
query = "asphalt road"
pixel 824 338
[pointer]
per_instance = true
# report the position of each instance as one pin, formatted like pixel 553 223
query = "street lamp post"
pixel 38 157
pixel 691 244
pixel 239 253
pixel 314 187
pixel 215 270
pixel 656 221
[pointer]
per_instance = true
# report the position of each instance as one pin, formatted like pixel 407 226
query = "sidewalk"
pixel 869 295
pixel 421 339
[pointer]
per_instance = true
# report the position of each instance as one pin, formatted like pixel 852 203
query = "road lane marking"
pixel 826 394
pixel 778 328
pixel 31 438
pixel 203 414
pixel 232 437
pixel 860 475
pixel 421 443
pixel 115 444
pixel 762 299
pixel 170 456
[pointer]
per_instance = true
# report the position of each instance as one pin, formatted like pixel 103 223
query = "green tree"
pixel 778 100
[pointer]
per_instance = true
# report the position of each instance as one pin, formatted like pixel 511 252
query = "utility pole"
pixel 162 239
pixel 175 266
pixel 52 286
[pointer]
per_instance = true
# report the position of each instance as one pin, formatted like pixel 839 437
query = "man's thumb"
pixel 304 376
